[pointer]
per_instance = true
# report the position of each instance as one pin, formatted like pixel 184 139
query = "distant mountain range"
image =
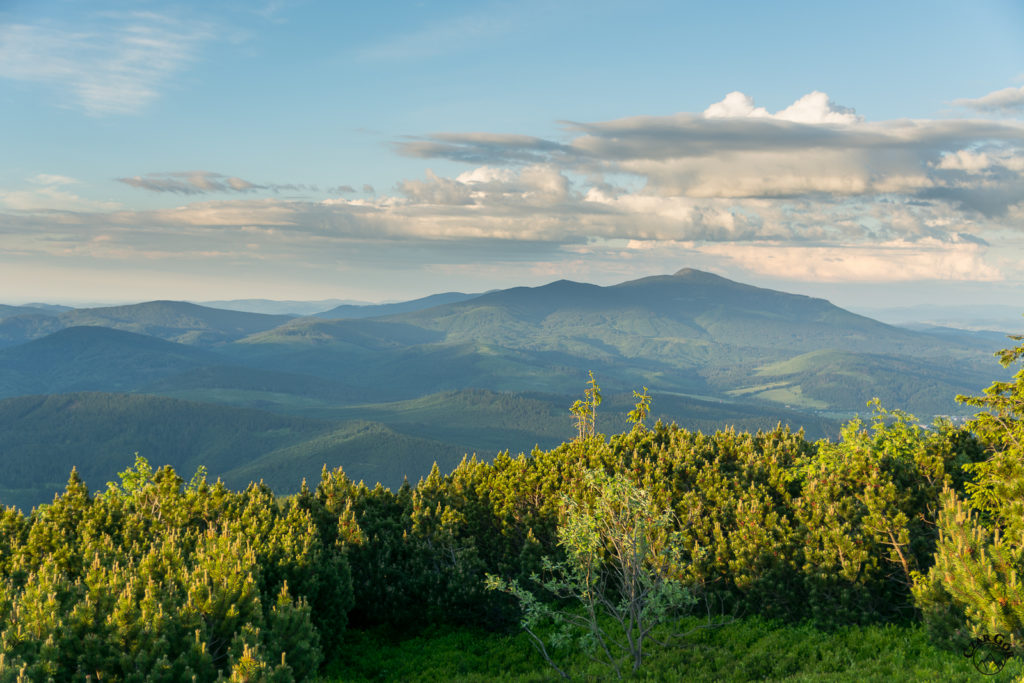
pixel 276 307
pixel 375 310
pixel 456 373
pixel 981 317
pixel 176 321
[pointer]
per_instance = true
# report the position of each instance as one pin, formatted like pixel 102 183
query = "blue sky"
pixel 871 153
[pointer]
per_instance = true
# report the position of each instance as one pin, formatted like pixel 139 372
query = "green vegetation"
pixel 893 526
pixel 155 580
pixel 620 570
pixel 746 649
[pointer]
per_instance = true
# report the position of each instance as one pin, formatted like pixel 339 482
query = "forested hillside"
pixel 691 333
pixel 43 437
pixel 893 523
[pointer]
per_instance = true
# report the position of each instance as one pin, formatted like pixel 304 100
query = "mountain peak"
pixel 694 274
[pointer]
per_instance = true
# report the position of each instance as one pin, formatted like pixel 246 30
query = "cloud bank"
pixel 812 191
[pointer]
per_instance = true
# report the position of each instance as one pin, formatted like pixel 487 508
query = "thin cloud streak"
pixel 204 182
pixel 117 69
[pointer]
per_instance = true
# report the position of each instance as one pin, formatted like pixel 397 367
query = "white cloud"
pixel 116 67
pixel 974 162
pixel 813 108
pixel 817 108
pixel 895 261
pixel 1007 100
pixel 734 105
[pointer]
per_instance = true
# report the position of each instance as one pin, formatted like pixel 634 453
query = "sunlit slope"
pixel 839 379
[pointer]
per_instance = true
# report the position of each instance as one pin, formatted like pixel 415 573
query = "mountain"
pixel 693 333
pixel 30 309
pixel 276 307
pixel 17 329
pixel 94 359
pixel 176 321
pixel 691 305
pixel 374 310
pixel 276 397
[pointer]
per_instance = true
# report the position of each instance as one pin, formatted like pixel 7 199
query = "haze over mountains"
pixel 445 375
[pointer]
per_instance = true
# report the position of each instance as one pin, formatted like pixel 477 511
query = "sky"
pixel 871 153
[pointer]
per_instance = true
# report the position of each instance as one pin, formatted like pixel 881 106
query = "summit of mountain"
pixel 690 305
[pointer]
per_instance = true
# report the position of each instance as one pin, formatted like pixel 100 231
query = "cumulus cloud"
pixel 117 65
pixel 814 107
pixel 813 148
pixel 1007 100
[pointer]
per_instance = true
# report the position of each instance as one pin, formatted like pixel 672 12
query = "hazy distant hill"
pixel 691 305
pixel 1006 319
pixel 94 359
pixel 9 311
pixel 176 321
pixel 373 310
pixel 276 307
pixel 18 329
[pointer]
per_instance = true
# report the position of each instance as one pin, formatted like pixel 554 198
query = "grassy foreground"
pixel 750 649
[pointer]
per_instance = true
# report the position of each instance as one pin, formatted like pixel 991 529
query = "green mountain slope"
pixel 691 333
pixel 95 359
pixel 43 437
pixel 367 451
